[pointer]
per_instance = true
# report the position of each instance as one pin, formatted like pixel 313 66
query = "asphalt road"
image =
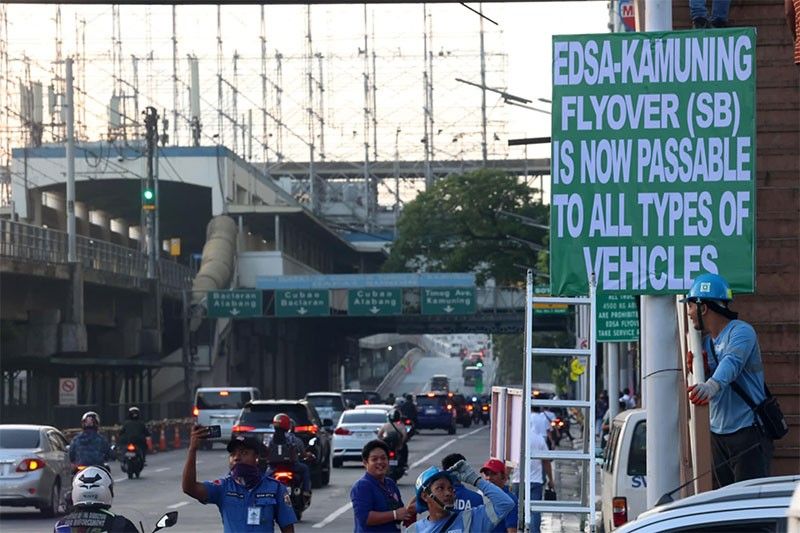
pixel 158 491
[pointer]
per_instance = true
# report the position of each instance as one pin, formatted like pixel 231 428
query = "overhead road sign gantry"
pixel 235 304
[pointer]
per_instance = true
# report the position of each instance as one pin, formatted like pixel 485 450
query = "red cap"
pixel 494 465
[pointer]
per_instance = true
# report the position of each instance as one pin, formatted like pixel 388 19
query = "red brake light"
pixel 195 411
pixel 619 510
pixel 341 431
pixel 408 421
pixel 29 465
pixel 283 476
pixel 392 453
pixel 307 429
pixel 366 402
pixel 131 447
pixel 242 429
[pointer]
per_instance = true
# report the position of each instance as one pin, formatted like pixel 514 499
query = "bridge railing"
pixel 35 243
pixel 500 299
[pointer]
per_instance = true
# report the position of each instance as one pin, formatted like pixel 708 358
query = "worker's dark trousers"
pixel 743 454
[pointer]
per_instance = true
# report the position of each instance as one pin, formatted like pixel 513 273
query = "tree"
pixel 456 226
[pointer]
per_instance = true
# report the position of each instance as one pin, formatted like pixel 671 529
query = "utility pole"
pixel 72 255
pixel 484 150
pixel 149 200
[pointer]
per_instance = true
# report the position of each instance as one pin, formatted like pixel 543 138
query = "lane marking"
pixel 333 516
pixel 161 469
pixel 442 447
pixel 120 479
pixel 176 505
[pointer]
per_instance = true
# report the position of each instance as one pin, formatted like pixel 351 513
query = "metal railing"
pixel 38 244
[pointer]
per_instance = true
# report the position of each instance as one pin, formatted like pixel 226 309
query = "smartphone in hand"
pixel 214 432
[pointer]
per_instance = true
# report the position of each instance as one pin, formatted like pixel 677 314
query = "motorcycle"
pixel 397 467
pixel 410 428
pixel 132 461
pixel 557 428
pixel 282 471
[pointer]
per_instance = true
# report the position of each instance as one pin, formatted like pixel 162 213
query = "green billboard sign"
pixel 302 303
pixel 617 318
pixel 235 304
pixel 448 301
pixel 374 302
pixel 653 160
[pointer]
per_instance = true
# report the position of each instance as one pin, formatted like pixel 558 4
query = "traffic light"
pixel 148 198
pixel 479 364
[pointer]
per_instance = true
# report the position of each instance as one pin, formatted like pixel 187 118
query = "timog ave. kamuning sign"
pixel 653 160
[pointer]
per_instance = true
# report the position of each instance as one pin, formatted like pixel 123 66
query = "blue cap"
pixel 709 287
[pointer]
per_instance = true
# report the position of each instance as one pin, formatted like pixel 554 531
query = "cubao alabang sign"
pixel 653 160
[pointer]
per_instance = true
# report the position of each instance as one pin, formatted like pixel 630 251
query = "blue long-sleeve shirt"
pixel 738 358
pixel 482 518
pixel 89 448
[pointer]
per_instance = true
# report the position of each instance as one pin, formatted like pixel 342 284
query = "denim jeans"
pixel 536 518
pixel 719 10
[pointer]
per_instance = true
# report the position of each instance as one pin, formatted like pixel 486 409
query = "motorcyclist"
pixel 408 408
pixel 92 494
pixel 89 448
pixel 393 433
pixel 283 425
pixel 135 432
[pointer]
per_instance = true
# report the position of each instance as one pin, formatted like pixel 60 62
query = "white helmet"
pixel 93 486
pixel 90 419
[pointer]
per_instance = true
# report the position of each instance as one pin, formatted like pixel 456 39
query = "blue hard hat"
pixel 709 287
pixel 426 479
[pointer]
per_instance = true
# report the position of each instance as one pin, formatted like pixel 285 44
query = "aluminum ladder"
pixel 588 356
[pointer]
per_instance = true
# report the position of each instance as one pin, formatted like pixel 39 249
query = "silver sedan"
pixel 34 467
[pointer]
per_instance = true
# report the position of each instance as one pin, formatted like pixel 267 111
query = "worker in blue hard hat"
pixel 739 446
pixel 435 492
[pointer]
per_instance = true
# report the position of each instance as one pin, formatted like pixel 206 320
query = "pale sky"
pixel 524 34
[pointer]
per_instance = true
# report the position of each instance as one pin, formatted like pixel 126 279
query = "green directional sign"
pixel 234 304
pixel 617 318
pixel 448 301
pixel 302 303
pixel 374 302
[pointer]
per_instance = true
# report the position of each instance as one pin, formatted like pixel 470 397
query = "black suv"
pixel 463 409
pixel 255 420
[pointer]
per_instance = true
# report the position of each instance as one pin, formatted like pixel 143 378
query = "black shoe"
pixel 719 23
pixel 700 23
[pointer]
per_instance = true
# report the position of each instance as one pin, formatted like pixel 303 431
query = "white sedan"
pixel 356 427
pixel 753 506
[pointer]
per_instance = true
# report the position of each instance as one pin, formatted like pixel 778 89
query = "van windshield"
pixel 222 399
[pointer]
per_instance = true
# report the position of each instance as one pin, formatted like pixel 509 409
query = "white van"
pixel 220 406
pixel 624 471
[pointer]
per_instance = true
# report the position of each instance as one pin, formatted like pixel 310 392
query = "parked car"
pixel 435 411
pixel 255 420
pixel 624 471
pixel 440 382
pixel 356 427
pixel 328 405
pixel 219 406
pixel 752 506
pixel 34 467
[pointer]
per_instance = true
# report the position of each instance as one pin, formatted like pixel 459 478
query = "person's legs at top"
pixel 698 12
pixel 719 13
pixel 536 518
pixel 750 456
pixel 301 469
pixel 720 453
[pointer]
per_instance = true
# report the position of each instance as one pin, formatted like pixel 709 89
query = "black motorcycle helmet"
pixel 133 413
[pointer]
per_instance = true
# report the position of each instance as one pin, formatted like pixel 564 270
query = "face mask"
pixel 247 475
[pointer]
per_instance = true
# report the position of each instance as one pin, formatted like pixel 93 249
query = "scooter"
pixel 282 471
pixel 132 461
pixel 397 467
pixel 410 428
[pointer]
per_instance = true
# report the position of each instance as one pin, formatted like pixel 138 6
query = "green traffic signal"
pixel 148 199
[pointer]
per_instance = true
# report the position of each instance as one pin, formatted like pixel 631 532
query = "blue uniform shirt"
pixel 368 495
pixel 511 518
pixel 234 502
pixel 89 448
pixel 465 499
pixel 479 519
pixel 738 358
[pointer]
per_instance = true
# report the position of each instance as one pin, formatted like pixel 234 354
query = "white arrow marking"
pixel 302 311
pixel 448 309
pixel 373 309
pixel 234 311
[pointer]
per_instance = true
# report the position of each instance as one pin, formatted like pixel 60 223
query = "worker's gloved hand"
pixel 702 393
pixel 690 362
pixel 465 473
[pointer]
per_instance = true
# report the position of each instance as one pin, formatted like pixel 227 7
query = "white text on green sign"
pixel 653 160
pixel 234 304
pixel 374 302
pixel 302 303
pixel 448 301
pixel 617 318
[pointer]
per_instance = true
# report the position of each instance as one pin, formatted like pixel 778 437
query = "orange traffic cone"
pixel 149 441
pixel 162 441
pixel 176 440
